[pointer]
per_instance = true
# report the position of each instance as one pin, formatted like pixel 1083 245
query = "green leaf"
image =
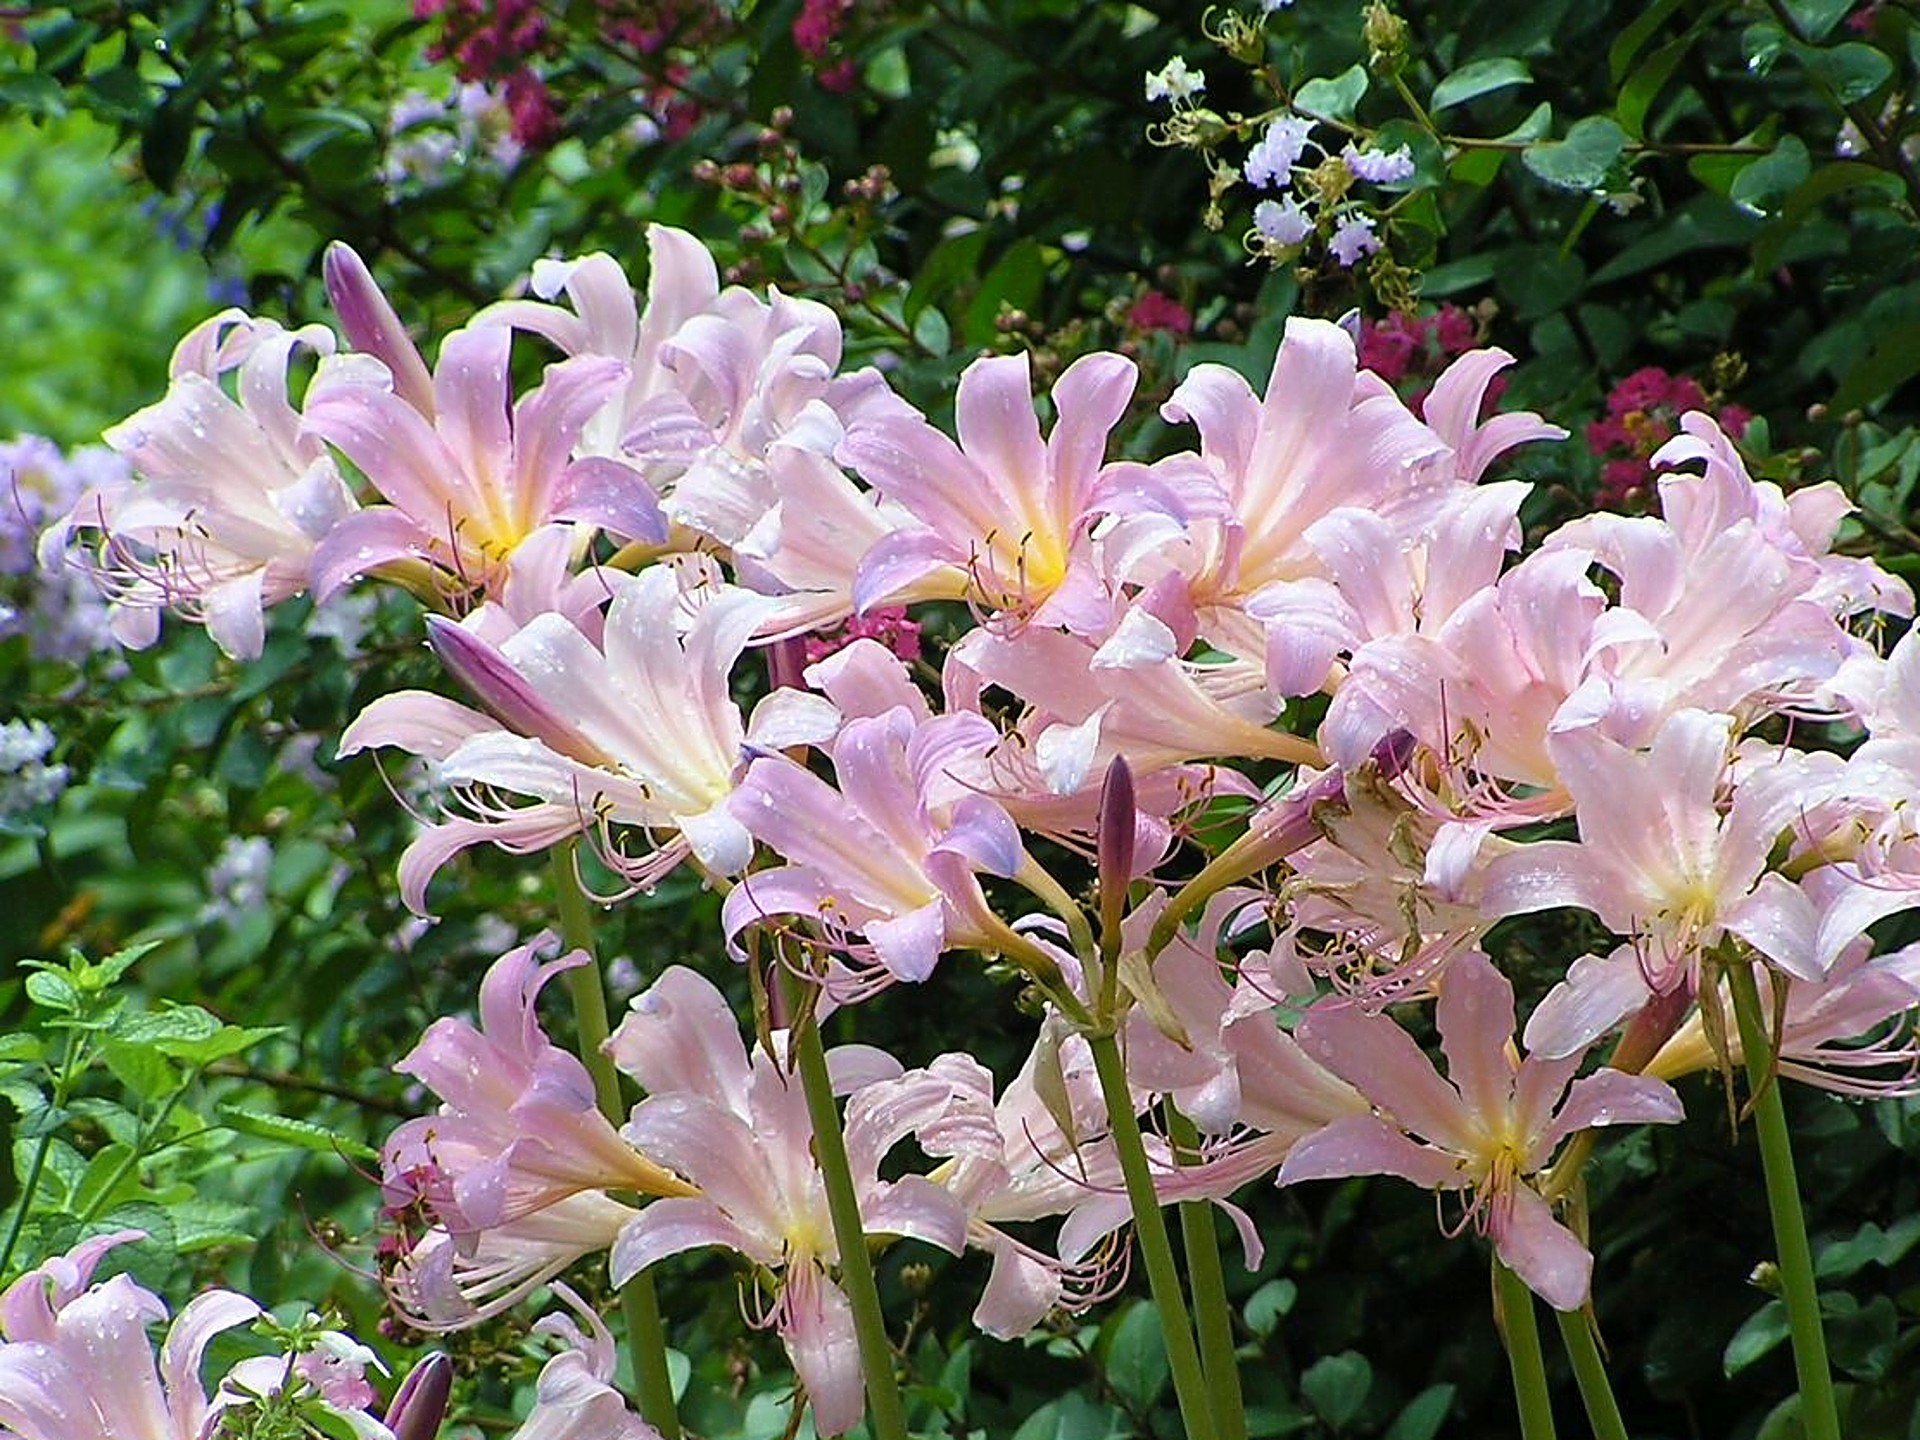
pixel 1852 71
pixel 1767 181
pixel 140 1068
pixel 1481 77
pixel 1643 87
pixel 1424 1415
pixel 1268 1305
pixel 1815 18
pixel 1335 98
pixel 1337 1386
pixel 1706 223
pixel 36 94
pixel 1630 41
pixel 18 1047
pixel 1762 1333
pixel 1539 279
pixel 1869 1245
pixel 302 1134
pixel 1137 1357
pixel 1478 167
pixel 1892 359
pixel 52 990
pixel 1582 160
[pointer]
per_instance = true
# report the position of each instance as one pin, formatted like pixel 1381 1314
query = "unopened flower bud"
pixel 420 1404
pixel 1118 814
pixel 1386 37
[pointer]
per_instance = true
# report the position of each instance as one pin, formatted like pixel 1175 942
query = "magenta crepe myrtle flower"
pixel 75 1359
pixel 1485 1129
pixel 231 498
pixel 738 1128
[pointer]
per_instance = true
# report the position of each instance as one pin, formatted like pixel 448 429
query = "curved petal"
pixel 1367 1145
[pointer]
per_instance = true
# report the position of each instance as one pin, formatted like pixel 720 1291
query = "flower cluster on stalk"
pixel 1495 729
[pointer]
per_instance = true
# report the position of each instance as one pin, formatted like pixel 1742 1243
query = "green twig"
pixel 1596 1391
pixel 646 1333
pixel 1211 1312
pixel 886 1415
pixel 1521 1331
pixel 1150 1226
pixel 1818 1412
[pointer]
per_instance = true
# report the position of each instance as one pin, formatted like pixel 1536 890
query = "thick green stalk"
pixel 1521 1331
pixel 886 1416
pixel 1211 1313
pixel 1150 1226
pixel 646 1333
pixel 1596 1392
pixel 1817 1408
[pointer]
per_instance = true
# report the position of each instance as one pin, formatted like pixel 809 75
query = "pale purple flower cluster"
pixel 1280 224
pixel 57 608
pixel 430 138
pixel 27 781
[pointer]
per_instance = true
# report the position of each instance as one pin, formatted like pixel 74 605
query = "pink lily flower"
pixel 640 731
pixel 1485 1129
pixel 605 321
pixel 468 483
pixel 519 1127
pixel 1660 858
pixel 731 411
pixel 892 854
pixel 1321 438
pixel 1002 515
pixel 441 1282
pixel 737 1127
pixel 1674 644
pixel 231 498
pixel 575 1397
pixel 1851 1033
pixel 75 1360
pixel 1230 1065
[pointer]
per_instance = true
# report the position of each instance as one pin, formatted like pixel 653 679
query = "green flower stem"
pixel 639 1305
pixel 886 1416
pixel 1521 1331
pixel 1818 1413
pixel 1596 1392
pixel 1211 1312
pixel 1150 1225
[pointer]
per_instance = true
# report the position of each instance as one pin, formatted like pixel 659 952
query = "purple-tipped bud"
pixel 420 1404
pixel 373 327
pixel 1118 816
pixel 504 692
pixel 787 663
pixel 1394 753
